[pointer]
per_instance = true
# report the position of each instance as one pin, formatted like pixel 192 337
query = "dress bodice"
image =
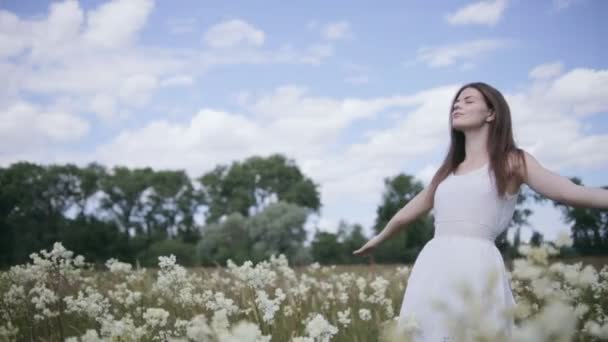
pixel 469 205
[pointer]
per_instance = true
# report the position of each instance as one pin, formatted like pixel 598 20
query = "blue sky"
pixel 353 91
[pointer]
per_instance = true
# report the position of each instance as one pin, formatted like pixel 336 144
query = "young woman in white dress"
pixel 473 194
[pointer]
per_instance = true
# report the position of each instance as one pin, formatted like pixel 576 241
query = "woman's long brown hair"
pixel 501 146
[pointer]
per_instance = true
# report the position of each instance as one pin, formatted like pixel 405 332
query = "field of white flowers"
pixel 59 297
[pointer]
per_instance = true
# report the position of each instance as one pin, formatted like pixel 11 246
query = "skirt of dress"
pixel 458 288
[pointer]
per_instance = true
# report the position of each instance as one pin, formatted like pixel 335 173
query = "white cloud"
pixel 104 106
pixel 24 127
pixel 547 70
pixel 44 38
pixel 11 37
pixel 337 30
pixel 62 54
pixel 466 52
pixel 309 128
pixel 232 33
pixel 115 23
pixel 209 138
pixel 482 12
pixel 584 89
pixel 136 89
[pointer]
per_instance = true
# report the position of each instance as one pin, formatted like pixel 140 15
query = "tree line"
pixel 247 210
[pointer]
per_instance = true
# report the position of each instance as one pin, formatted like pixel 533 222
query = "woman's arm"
pixel 561 189
pixel 420 204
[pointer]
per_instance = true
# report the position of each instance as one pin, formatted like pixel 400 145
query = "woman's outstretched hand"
pixel 367 248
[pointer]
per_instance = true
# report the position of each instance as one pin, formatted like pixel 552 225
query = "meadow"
pixel 58 296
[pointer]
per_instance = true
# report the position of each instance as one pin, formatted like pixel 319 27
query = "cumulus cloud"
pixel 547 70
pixel 209 137
pixel 136 89
pixel 115 23
pixel 25 126
pixel 93 57
pixel 482 12
pixel 232 33
pixel 465 52
pixel 582 90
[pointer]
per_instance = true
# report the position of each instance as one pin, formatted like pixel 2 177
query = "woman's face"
pixel 470 111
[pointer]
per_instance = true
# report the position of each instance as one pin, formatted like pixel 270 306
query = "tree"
pixel 171 206
pixel 125 192
pixel 32 202
pixel 278 229
pixel 226 240
pixel 589 226
pixel 326 249
pixel 250 186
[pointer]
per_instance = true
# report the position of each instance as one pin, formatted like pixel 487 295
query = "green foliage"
pixel 337 248
pixel 326 248
pixel 246 187
pixel 252 210
pixel 589 225
pixel 184 253
pixel 222 241
pixel 278 229
pixel 96 240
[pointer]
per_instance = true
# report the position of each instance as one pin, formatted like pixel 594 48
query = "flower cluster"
pixel 56 298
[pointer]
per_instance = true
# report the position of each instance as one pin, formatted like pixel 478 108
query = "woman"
pixel 473 193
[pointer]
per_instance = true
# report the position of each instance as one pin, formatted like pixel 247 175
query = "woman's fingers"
pixel 366 248
pixel 361 251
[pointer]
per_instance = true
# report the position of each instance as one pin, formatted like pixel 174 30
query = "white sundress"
pixel 469 215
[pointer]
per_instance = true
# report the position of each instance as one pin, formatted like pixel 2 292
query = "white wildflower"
pixel 320 329
pixel 365 314
pixel 564 239
pixel 269 306
pixel 244 332
pixel 588 276
pixel 89 302
pixel 594 329
pixel 314 266
pixel 257 277
pixel 116 266
pixel 156 317
pixel 344 317
pixel 197 329
pixel 218 301
pixel 90 336
pixel 219 321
